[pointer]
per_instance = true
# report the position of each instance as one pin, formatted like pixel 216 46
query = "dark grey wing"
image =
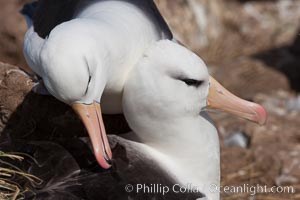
pixel 132 166
pixel 167 33
pixel 47 14
pixel 50 13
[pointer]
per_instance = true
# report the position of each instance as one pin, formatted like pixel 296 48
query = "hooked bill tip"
pixel 107 158
pixel 261 115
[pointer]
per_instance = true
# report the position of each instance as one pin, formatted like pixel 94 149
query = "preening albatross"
pixel 84 49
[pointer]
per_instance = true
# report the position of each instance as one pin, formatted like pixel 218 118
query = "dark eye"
pixel 192 82
pixel 87 88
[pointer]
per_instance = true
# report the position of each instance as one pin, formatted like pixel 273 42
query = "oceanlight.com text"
pixel 213 188
pixel 252 189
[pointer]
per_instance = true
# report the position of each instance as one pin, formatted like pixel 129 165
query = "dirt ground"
pixel 256 56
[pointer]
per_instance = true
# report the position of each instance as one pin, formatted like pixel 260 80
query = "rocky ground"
pixel 251 47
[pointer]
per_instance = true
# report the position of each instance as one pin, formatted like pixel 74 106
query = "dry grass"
pixel 10 189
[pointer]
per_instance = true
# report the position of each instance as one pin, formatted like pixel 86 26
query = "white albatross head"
pixel 170 81
pixel 78 79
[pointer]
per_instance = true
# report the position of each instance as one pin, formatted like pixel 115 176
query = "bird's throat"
pixel 189 151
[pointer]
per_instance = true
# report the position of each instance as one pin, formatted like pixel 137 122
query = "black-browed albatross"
pixel 84 49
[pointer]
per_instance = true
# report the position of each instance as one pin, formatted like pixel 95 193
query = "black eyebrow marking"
pixel 192 82
pixel 90 78
pixel 89 73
